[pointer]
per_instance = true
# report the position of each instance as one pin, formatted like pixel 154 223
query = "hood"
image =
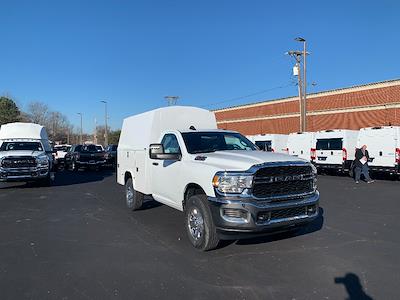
pixel 237 160
pixel 21 153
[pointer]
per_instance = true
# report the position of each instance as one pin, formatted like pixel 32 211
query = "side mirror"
pixel 156 151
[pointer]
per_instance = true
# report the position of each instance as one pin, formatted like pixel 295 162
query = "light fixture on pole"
pixel 106 126
pixel 80 136
pixel 171 100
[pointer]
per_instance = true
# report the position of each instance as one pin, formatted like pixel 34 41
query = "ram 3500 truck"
pixel 225 186
pixel 25 153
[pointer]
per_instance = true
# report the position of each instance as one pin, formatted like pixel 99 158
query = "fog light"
pixel 312 209
pixel 235 215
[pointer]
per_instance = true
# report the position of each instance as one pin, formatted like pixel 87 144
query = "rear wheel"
pixel 134 199
pixel 199 225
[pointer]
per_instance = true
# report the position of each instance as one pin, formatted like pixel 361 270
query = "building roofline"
pixel 354 88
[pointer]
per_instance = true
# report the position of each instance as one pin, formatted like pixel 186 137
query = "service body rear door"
pixel 329 151
pixel 381 146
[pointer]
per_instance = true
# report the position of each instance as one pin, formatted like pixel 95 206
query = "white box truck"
pixel 383 145
pixel 225 187
pixel 25 153
pixel 300 144
pixel 335 149
pixel 271 142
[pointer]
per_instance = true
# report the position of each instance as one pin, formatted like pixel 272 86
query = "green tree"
pixel 9 111
pixel 113 136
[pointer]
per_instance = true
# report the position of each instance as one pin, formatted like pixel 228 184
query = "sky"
pixel 73 54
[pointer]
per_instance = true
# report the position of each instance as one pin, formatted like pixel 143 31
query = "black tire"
pixel 133 198
pixel 199 225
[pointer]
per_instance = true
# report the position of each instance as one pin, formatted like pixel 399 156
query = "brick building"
pixel 374 104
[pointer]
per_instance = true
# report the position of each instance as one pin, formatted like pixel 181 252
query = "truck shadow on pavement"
pixel 314 226
pixel 66 177
pixel 63 178
pixel 353 287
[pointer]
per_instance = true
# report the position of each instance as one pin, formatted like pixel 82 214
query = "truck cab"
pixel 225 186
pixel 25 153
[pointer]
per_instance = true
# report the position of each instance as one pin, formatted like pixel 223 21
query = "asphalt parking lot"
pixel 76 240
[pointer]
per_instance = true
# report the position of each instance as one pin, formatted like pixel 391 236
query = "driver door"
pixel 166 174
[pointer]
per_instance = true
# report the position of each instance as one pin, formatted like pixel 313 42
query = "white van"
pixel 25 153
pixel 225 186
pixel 383 145
pixel 335 149
pixel 300 144
pixel 271 142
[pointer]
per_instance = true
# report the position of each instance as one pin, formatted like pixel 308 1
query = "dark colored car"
pixel 84 156
pixel 111 155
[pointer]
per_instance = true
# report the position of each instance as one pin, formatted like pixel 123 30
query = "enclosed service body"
pixel 335 149
pixel 383 145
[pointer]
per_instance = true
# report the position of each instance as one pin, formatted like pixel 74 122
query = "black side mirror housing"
pixel 156 151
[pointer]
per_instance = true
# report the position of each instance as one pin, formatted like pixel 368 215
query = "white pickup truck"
pixel 25 153
pixel 225 186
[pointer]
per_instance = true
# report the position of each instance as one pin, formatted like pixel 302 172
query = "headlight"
pixel 232 183
pixel 43 161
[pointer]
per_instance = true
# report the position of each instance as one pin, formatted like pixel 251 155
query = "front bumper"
pixel 238 218
pixel 23 174
pixel 90 163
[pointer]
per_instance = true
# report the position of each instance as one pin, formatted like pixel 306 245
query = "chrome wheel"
pixel 129 196
pixel 195 223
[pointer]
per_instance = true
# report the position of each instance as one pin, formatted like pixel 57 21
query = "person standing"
pixel 361 164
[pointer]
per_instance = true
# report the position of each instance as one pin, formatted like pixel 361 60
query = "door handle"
pixel 155 164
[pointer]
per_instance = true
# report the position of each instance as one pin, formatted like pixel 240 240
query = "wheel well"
pixel 192 189
pixel 127 176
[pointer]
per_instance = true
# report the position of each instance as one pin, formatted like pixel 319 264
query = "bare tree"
pixel 38 112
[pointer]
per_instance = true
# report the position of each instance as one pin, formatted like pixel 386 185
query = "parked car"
pixel 59 154
pixel 225 186
pixel 270 142
pixel 84 156
pixel 335 149
pixel 300 144
pixel 111 155
pixel 25 153
pixel 383 145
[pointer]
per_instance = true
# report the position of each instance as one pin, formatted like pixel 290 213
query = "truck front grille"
pixel 280 182
pixel 18 162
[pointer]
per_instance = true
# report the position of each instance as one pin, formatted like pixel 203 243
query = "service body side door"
pixel 166 175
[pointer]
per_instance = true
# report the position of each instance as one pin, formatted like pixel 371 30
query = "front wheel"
pixel 199 225
pixel 134 199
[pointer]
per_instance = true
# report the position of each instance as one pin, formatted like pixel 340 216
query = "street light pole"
pixel 80 137
pixel 106 126
pixel 297 56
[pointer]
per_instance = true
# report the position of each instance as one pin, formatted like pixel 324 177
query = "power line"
pixel 249 95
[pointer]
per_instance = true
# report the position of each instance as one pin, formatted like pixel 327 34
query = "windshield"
pixel 30 146
pixel 203 142
pixel 89 148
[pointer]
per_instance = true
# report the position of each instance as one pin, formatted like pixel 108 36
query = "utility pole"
pixel 297 72
pixel 302 82
pixel 80 137
pixel 105 123
pixel 171 100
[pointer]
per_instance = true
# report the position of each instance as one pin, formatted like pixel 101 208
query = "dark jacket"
pixel 359 155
